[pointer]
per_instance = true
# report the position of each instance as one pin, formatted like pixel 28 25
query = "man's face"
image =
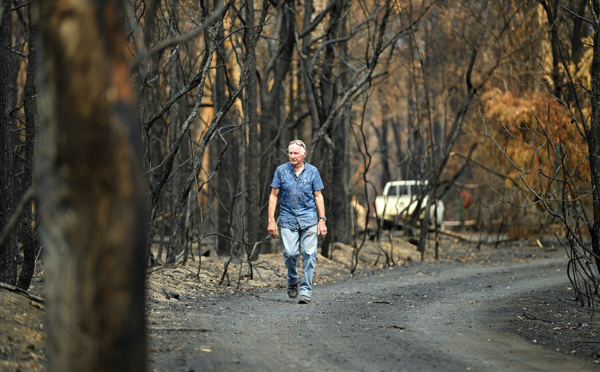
pixel 296 154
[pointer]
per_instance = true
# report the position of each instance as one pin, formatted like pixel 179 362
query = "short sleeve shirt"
pixel 297 207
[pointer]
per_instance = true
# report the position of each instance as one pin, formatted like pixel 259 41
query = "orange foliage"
pixel 539 134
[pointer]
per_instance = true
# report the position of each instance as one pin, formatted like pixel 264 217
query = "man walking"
pixel 301 216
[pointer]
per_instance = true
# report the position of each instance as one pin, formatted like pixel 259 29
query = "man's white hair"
pixel 299 143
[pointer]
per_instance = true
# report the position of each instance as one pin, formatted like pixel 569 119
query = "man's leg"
pixel 309 242
pixel 291 241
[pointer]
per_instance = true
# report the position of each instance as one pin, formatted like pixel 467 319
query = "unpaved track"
pixel 442 316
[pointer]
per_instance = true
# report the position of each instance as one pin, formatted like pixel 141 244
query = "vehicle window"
pixel 393 191
pixel 416 189
pixel 404 190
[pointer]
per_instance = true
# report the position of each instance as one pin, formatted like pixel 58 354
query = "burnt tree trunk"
pixel 593 137
pixel 552 8
pixel 92 220
pixel 252 180
pixel 226 174
pixel 8 250
pixel 30 244
pixel 339 189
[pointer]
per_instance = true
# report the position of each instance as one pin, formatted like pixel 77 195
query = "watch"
pixel 323 218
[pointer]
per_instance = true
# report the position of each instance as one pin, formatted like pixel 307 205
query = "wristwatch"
pixel 323 218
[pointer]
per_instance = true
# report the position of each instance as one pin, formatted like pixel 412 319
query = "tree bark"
pixel 552 8
pixel 30 243
pixel 251 117
pixel 175 130
pixel 340 207
pixel 225 176
pixel 593 136
pixel 92 219
pixel 8 251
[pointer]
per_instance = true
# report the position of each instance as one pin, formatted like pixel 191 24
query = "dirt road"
pixel 437 316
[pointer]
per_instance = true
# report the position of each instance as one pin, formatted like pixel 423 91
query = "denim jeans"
pixel 307 240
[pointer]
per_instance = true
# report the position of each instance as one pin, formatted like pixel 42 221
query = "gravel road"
pixel 436 316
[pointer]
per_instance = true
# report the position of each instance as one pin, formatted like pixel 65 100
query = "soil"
pixel 497 307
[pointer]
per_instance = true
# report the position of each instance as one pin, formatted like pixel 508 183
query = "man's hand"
pixel 272 229
pixel 322 228
pixel 320 202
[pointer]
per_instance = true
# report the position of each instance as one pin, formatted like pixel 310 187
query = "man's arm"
pixel 320 201
pixel 272 228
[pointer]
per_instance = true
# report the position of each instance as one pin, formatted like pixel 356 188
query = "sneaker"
pixel 304 299
pixel 293 290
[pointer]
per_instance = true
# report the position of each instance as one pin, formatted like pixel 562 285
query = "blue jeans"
pixel 306 239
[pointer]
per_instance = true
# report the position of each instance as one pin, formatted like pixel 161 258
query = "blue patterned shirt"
pixel 297 207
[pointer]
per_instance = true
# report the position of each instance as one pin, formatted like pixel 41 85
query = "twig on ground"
pixel 272 268
pixel 23 292
pixel 156 269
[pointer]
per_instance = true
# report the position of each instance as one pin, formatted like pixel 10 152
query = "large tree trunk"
pixel 30 244
pixel 149 99
pixel 225 176
pixel 341 195
pixel 8 251
pixel 91 214
pixel 173 125
pixel 252 181
pixel 593 138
